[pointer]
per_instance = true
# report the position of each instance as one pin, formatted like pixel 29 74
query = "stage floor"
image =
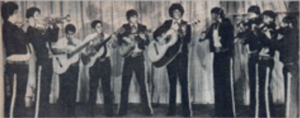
pixel 199 110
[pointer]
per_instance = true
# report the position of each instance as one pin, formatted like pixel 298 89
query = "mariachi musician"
pixel 69 79
pixel 288 46
pixel 41 35
pixel 16 71
pixel 249 37
pixel 132 43
pixel 220 35
pixel 100 69
pixel 267 35
pixel 179 66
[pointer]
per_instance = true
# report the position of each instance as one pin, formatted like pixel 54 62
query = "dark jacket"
pixel 265 42
pixel 288 47
pixel 141 28
pixel 167 25
pixel 14 39
pixel 38 38
pixel 226 34
pixel 250 36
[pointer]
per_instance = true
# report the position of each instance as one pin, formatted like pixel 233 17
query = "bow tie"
pixel 70 42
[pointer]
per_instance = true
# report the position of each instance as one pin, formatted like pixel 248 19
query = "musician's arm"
pixel 228 35
pixel 32 35
pixel 60 47
pixel 121 35
pixel 52 33
pixel 145 39
pixel 188 34
pixel 18 38
pixel 158 32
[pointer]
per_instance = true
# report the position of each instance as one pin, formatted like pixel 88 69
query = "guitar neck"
pixel 79 48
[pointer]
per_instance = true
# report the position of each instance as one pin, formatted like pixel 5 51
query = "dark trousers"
pixel 222 85
pixel 101 69
pixel 134 64
pixel 45 87
pixel 68 88
pixel 21 83
pixel 262 74
pixel 252 62
pixel 293 69
pixel 179 68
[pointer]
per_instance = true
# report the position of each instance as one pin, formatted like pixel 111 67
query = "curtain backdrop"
pixel 153 14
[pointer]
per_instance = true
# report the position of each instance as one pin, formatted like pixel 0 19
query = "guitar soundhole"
pixel 168 39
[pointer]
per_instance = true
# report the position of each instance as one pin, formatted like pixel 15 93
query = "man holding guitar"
pixel 179 53
pixel 220 35
pixel 97 57
pixel 41 38
pixel 132 44
pixel 68 80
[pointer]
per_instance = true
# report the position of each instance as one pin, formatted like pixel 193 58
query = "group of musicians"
pixel 258 32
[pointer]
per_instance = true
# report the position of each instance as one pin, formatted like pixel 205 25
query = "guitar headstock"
pixel 195 22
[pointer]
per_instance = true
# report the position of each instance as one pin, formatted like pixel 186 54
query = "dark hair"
pixel 218 11
pixel 290 19
pixel 8 9
pixel 30 12
pixel 70 27
pixel 174 7
pixel 255 9
pixel 130 13
pixel 270 13
pixel 95 22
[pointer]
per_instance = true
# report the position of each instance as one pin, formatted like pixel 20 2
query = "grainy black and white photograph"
pixel 136 58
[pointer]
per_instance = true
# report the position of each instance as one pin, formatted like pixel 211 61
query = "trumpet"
pixel 44 22
pixel 52 21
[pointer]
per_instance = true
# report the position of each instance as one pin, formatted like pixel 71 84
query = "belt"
pixel 103 59
pixel 253 52
pixel 290 63
pixel 265 58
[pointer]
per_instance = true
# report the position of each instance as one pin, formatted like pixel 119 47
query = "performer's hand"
pixel 120 30
pixel 202 36
pixel 114 44
pixel 280 37
pixel 143 37
pixel 218 49
pixel 268 34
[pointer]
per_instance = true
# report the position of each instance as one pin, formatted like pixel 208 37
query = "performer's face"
pixel 252 15
pixel 14 16
pixel 214 16
pixel 177 14
pixel 133 19
pixel 98 28
pixel 36 15
pixel 267 19
pixel 70 34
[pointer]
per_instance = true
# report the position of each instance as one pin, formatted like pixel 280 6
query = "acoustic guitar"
pixel 130 44
pixel 62 60
pixel 92 57
pixel 163 51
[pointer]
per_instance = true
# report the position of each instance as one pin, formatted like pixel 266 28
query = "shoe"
pixel 186 115
pixel 121 114
pixel 171 113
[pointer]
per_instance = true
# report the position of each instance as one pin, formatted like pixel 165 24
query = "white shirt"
pixel 216 37
pixel 63 43
pixel 108 44
pixel 175 25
